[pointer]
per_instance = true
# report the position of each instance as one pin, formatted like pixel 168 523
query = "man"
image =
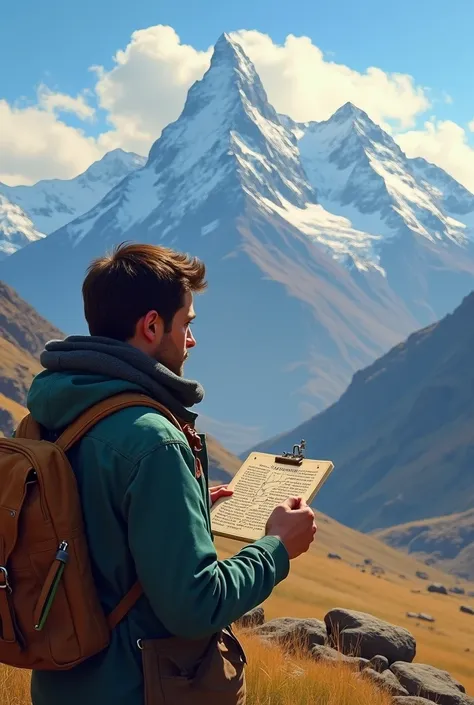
pixel 145 499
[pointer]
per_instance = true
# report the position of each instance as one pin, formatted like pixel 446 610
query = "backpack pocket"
pixel 194 672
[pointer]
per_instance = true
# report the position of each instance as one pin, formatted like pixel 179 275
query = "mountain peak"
pixel 349 111
pixel 228 48
pixel 229 92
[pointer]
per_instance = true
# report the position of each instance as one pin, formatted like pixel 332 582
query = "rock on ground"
pixel 422 575
pixel 386 681
pixel 378 663
pixel 330 655
pixel 252 619
pixel 431 683
pixel 437 587
pixel 466 609
pixel 293 632
pixel 361 634
pixel 411 700
pixel 421 616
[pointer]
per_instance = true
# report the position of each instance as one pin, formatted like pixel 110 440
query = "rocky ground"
pixel 380 651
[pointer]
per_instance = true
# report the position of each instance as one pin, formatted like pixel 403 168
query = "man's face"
pixel 172 350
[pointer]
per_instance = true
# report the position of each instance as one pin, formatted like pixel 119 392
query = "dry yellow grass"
pixel 14 687
pixel 274 678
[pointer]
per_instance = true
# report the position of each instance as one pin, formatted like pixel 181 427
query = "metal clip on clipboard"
pixel 294 458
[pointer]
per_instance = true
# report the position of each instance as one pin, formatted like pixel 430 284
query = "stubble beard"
pixel 169 356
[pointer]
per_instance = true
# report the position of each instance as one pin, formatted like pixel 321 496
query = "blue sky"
pixel 52 44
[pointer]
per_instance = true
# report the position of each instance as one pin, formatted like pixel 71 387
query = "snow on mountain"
pixel 52 203
pixel 225 182
pixel 454 198
pixel 16 229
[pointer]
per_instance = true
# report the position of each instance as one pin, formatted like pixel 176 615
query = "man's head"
pixel 143 294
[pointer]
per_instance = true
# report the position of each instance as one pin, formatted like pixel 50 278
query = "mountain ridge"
pixel 51 203
pixel 446 542
pixel 401 435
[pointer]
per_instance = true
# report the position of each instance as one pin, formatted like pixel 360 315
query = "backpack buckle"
pixel 4 584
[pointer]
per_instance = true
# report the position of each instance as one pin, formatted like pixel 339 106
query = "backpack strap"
pixel 29 428
pixel 102 409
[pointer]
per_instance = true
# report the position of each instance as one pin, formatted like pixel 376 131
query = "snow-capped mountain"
pixel 16 229
pixel 52 203
pixel 300 293
pixel 410 209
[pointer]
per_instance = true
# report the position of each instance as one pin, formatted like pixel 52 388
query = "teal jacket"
pixel 147 515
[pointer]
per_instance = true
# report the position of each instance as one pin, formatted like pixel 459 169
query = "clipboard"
pixel 263 482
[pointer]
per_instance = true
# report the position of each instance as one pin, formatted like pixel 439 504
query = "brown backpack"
pixel 50 614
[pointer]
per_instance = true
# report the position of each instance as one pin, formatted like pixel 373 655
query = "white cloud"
pixel 301 82
pixel 35 144
pixel 147 87
pixel 471 126
pixel 444 143
pixel 60 102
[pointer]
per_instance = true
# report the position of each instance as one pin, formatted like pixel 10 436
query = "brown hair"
pixel 123 286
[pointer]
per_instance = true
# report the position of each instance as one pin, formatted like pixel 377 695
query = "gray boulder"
pixel 386 681
pixel 378 663
pixel 361 634
pixel 422 575
pixel 329 655
pixel 294 633
pixel 437 587
pixel 422 616
pixel 252 619
pixel 411 700
pixel 466 609
pixel 431 683
pixel 456 590
pixel 335 556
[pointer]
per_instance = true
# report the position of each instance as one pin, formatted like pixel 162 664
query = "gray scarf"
pixel 115 359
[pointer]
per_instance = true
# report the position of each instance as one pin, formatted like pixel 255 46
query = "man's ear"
pixel 151 327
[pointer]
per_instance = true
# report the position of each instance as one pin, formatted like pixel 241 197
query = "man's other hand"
pixel 219 491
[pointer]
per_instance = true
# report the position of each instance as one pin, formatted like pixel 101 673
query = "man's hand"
pixel 293 522
pixel 219 491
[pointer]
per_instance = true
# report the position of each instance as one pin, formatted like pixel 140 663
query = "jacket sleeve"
pixel 192 593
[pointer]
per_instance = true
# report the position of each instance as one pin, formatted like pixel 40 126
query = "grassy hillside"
pixel 401 437
pixel 448 540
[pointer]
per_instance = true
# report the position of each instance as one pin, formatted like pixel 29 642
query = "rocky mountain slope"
pixel 23 333
pixel 446 541
pixel 51 203
pixel 401 436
